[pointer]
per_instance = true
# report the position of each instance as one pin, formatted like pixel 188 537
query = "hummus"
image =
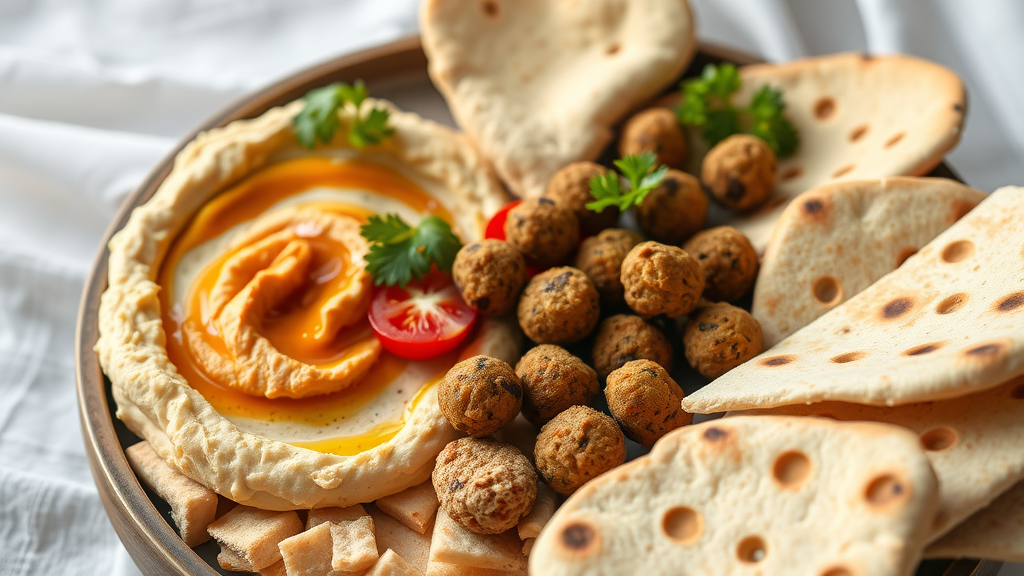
pixel 301 409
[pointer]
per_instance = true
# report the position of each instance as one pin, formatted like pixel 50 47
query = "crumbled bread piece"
pixel 193 506
pixel 252 535
pixel 355 546
pixel 409 544
pixel 453 544
pixel 543 508
pixel 415 507
pixel 391 564
pixel 528 546
pixel 320 515
pixel 309 553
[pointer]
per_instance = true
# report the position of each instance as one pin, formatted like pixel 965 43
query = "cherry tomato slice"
pixel 423 320
pixel 496 226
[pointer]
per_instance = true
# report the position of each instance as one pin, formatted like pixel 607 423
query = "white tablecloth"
pixel 93 94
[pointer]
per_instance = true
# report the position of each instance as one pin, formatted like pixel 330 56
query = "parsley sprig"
pixel 399 252
pixel 637 168
pixel 707 104
pixel 319 118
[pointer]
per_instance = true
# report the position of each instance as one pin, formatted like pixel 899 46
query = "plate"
pixel 396 72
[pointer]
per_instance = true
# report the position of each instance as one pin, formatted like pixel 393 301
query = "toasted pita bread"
pixel 972 442
pixel 947 323
pixel 752 495
pixel 355 546
pixel 309 553
pixel 539 84
pixel 391 564
pixel 836 240
pixel 543 508
pixel 249 537
pixel 995 532
pixel 318 516
pixel 414 507
pixel 453 544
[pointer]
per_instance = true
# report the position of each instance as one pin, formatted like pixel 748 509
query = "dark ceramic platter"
pixel 396 72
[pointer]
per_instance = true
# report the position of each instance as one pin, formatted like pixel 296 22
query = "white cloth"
pixel 93 94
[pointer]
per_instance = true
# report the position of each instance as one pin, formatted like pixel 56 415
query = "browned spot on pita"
pixel 958 107
pixel 939 439
pixel 985 351
pixel 837 571
pixel 923 349
pixel 792 470
pixel 844 170
pixel 613 49
pixel 815 208
pixel 858 132
pixel 886 491
pixel 952 303
pixel 752 549
pixel 849 357
pixel 1011 302
pixel 824 108
pixel 897 308
pixel 957 251
pixel 791 173
pixel 684 525
pixel 827 290
pixel 580 538
pixel 777 360
pixel 894 140
pixel 714 434
pixel 491 9
pixel 903 255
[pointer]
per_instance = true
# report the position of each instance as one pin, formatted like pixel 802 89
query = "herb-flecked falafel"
pixel 623 338
pixel 490 274
pixel 645 401
pixel 720 337
pixel 570 188
pixel 559 306
pixel 655 130
pixel 673 211
pixel 546 233
pixel 740 171
pixel 728 261
pixel 553 380
pixel 480 395
pixel 660 279
pixel 577 445
pixel 600 258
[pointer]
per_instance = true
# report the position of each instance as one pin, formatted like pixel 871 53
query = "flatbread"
pixel 948 323
pixel 996 532
pixel 453 544
pixel 836 240
pixel 858 117
pixel 539 84
pixel 765 495
pixel 973 443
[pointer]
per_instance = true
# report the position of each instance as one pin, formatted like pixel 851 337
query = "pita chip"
pixel 355 547
pixel 309 553
pixel 249 537
pixel 407 543
pixel 542 511
pixel 453 544
pixel 836 240
pixel 996 532
pixel 947 323
pixel 540 84
pixel 752 495
pixel 319 516
pixel 414 507
pixel 391 564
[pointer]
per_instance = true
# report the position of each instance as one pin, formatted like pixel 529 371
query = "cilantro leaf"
pixel 400 252
pixel 318 120
pixel 637 169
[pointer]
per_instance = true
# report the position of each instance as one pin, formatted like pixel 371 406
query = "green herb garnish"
pixel 637 168
pixel 319 118
pixel 707 104
pixel 399 252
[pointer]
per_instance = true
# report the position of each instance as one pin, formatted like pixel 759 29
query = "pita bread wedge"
pixel 539 84
pixel 996 532
pixel 972 442
pixel 947 323
pixel 836 240
pixel 858 116
pixel 751 495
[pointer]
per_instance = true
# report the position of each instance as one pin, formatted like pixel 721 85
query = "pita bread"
pixel 407 543
pixel 972 442
pixel 355 546
pixel 249 537
pixel 751 495
pixel 996 532
pixel 858 117
pixel 947 323
pixel 836 240
pixel 391 564
pixel 543 508
pixel 453 544
pixel 309 553
pixel 539 84
pixel 414 507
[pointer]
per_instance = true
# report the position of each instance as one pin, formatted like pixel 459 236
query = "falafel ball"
pixel 559 306
pixel 623 338
pixel 660 279
pixel 490 274
pixel 728 261
pixel 553 380
pixel 480 395
pixel 740 171
pixel 577 445
pixel 655 130
pixel 720 337
pixel 483 485
pixel 570 188
pixel 673 211
pixel 547 234
pixel 645 401
pixel 600 258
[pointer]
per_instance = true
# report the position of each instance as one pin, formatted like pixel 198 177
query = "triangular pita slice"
pixel 766 495
pixel 973 443
pixel 836 240
pixel 947 323
pixel 858 117
pixel 539 84
pixel 996 532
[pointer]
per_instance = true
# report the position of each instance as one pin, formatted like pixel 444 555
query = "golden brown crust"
pixel 577 445
pixel 740 172
pixel 600 258
pixel 570 188
pixel 661 279
pixel 546 233
pixel 655 130
pixel 559 306
pixel 480 395
pixel 490 274
pixel 645 401
pixel 553 380
pixel 673 211
pixel 720 337
pixel 483 485
pixel 623 338
pixel 728 261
